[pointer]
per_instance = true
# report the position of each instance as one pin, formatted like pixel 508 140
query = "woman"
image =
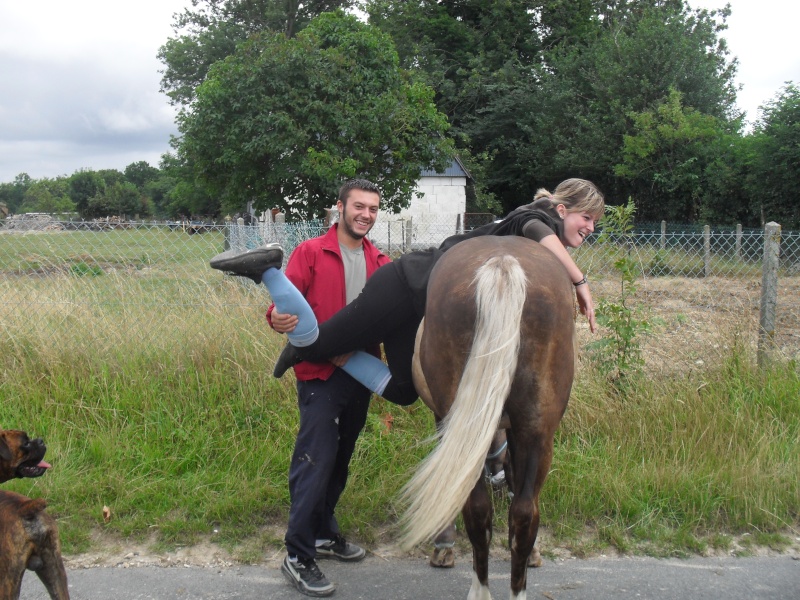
pixel 392 303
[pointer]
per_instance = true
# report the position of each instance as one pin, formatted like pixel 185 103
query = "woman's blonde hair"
pixel 577 195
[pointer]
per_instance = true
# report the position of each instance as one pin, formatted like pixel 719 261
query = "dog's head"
pixel 21 456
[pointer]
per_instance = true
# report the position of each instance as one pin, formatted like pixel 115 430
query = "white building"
pixel 435 212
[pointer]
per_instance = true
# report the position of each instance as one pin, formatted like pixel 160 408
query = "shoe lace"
pixel 314 574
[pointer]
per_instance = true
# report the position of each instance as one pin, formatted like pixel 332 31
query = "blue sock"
pixel 289 300
pixel 370 371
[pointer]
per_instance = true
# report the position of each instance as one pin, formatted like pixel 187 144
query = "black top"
pixel 534 221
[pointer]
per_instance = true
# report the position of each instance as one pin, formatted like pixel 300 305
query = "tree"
pixel 666 157
pixel 83 186
pixel 544 90
pixel 212 30
pixel 641 51
pixel 479 56
pixel 777 158
pixel 282 121
pixel 140 174
pixel 181 195
pixel 13 194
pixel 120 199
pixel 48 196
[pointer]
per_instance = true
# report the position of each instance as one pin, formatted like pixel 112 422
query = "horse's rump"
pixel 498 325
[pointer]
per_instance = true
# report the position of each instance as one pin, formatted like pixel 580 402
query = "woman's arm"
pixel 585 303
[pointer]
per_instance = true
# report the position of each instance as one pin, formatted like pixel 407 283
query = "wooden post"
pixel 769 292
pixel 663 234
pixel 707 250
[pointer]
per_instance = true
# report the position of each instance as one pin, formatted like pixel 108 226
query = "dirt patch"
pixel 696 321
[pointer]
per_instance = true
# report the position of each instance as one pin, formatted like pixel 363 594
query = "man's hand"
pixel 283 322
pixel 341 359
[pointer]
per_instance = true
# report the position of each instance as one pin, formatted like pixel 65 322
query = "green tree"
pixel 282 121
pixel 111 176
pixel 83 186
pixel 544 90
pixel 479 56
pixel 776 161
pixel 618 353
pixel 13 194
pixel 140 174
pixel 120 199
pixel 666 157
pixel 48 196
pixel 641 51
pixel 181 196
pixel 211 30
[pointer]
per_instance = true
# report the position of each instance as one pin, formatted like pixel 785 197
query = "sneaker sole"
pixel 303 589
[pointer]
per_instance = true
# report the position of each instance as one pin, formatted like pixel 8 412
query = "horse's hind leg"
pixel 478 514
pixel 443 555
pixel 534 463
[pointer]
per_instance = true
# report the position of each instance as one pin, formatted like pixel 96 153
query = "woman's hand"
pixel 586 304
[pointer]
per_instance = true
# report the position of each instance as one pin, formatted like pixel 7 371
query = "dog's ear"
pixel 5 451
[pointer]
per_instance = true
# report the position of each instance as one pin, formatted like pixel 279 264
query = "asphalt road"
pixel 753 578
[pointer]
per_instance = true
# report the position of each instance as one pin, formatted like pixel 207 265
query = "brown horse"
pixel 496 350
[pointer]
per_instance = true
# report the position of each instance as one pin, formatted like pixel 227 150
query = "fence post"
pixel 407 235
pixel 738 241
pixel 769 292
pixel 707 250
pixel 663 234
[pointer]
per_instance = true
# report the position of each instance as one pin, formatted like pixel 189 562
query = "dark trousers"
pixel 332 414
pixel 382 313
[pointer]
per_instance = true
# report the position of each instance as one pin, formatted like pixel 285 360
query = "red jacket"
pixel 316 269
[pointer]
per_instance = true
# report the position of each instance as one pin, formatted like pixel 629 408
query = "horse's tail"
pixel 442 484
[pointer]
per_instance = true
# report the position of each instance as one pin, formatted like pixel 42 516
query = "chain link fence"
pixel 112 284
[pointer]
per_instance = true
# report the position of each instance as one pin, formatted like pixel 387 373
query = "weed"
pixel 618 353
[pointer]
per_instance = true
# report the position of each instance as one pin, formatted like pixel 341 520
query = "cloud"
pixel 80 80
pixel 80 85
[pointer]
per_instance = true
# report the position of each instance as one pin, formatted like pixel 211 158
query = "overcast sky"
pixel 79 79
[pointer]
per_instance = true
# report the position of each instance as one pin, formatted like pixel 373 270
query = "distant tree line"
pixel 140 191
pixel 279 101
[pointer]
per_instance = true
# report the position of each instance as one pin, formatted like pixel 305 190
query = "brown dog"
pixel 28 535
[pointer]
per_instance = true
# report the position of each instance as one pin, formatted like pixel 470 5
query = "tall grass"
pixel 181 430
pixel 679 459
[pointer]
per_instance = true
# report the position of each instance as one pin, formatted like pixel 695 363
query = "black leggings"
pixel 382 313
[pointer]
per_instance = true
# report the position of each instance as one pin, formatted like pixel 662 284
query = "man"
pixel 330 272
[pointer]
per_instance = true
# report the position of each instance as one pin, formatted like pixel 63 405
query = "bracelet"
pixel 581 282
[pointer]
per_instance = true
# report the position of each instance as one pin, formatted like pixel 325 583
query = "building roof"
pixel 454 169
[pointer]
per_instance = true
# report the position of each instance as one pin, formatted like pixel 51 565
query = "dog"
pixel 28 535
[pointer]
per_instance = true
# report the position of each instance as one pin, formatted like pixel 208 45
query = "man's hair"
pixel 357 184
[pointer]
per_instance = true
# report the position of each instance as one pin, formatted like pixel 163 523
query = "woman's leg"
pixel 289 300
pixel 399 348
pixel 263 265
pixel 382 309
pixel 368 370
pixel 384 306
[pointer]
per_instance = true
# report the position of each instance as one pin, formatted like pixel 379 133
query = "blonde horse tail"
pixel 443 482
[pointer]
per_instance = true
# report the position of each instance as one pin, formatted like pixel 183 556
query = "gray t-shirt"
pixel 355 271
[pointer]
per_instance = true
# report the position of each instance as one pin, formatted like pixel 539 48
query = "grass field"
pixel 150 382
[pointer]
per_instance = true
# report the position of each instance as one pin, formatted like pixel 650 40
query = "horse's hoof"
pixel 443 558
pixel 535 559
